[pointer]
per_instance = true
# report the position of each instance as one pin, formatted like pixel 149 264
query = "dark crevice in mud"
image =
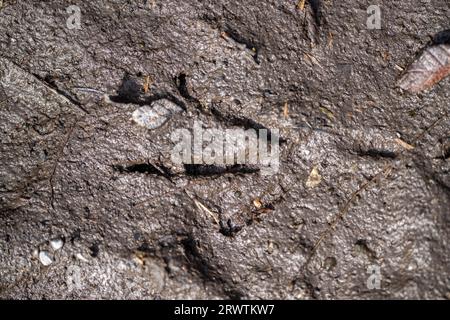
pixel 94 250
pixel 50 82
pixel 314 20
pixel 203 170
pixel 316 10
pixel 130 92
pixel 146 249
pixel 144 168
pixel 234 34
pixel 75 236
pixel 375 153
pixel 199 263
pixel 445 154
pixel 182 86
pixel 249 45
pixel 442 37
pixel 210 18
pixel 206 270
pixel 246 123
pixel 362 246
pixel 445 149
pixel 191 170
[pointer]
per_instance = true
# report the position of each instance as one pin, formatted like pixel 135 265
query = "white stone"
pixel 45 258
pixel 80 257
pixel 154 116
pixel 57 244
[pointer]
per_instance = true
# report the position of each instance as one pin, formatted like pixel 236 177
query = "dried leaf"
pixel 330 39
pixel 257 203
pixel 314 178
pixel 432 66
pixel 286 110
pixel 301 5
pixel 270 247
pixel 147 84
pixel 404 144
pixel 202 207
pixel 327 112
pixel 312 60
pixel 315 6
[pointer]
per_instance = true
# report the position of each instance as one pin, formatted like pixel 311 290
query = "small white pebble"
pixel 45 258
pixel 151 118
pixel 80 257
pixel 154 116
pixel 57 244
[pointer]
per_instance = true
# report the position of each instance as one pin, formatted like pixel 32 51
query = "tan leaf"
pixel 257 203
pixel 404 144
pixel 301 4
pixel 314 178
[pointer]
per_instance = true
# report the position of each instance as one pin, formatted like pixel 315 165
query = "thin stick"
pixel 343 212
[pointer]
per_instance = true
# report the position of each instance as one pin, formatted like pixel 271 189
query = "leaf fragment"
pixel 314 178
pixel 404 144
pixel 301 5
pixel 432 66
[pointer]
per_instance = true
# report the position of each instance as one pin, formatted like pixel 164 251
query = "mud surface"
pixel 75 167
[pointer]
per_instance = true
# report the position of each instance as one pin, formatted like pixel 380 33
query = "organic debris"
pixel 432 66
pixel 314 178
pixel 202 207
pixel 404 144
pixel 327 112
pixel 147 84
pixel 286 110
pixel 257 203
pixel 301 5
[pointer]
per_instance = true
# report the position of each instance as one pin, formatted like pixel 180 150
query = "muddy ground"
pixel 76 169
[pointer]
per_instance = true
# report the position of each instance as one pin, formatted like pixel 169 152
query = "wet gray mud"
pixel 91 205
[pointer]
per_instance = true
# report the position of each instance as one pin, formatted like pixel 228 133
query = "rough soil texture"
pixel 75 167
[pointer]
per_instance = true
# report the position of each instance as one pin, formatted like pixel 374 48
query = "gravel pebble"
pixel 57 244
pixel 45 258
pixel 154 116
